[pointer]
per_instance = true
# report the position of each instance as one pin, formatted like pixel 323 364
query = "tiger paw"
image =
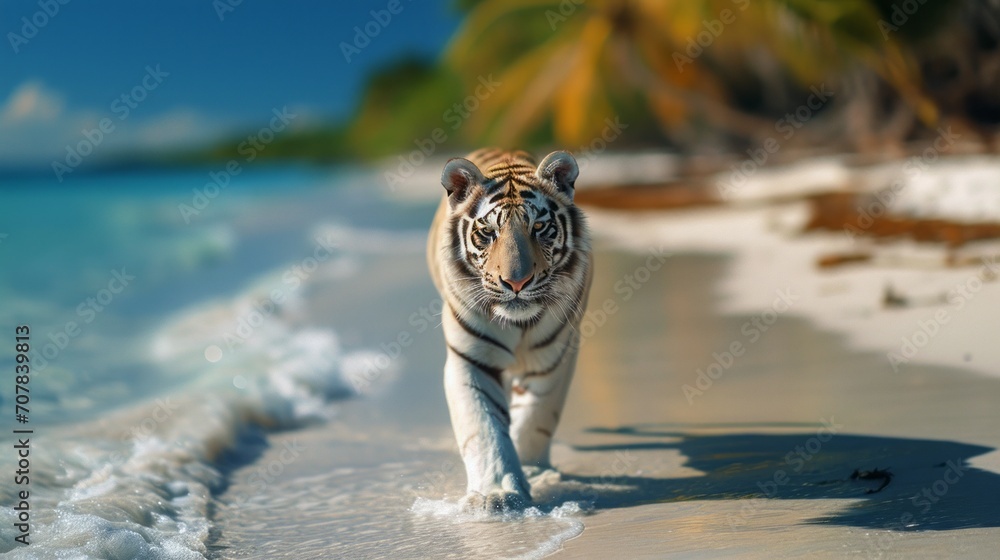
pixel 542 474
pixel 499 501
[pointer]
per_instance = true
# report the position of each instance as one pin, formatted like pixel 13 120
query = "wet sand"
pixel 760 463
pixel 757 465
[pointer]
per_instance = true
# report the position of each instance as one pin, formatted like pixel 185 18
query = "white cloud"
pixel 31 101
pixel 37 128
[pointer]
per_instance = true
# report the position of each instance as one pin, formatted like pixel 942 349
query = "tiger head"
pixel 516 235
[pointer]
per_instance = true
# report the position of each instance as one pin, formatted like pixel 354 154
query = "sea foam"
pixel 139 482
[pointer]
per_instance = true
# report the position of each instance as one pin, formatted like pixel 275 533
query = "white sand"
pixel 952 309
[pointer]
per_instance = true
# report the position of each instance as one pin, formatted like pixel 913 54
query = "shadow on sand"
pixel 932 485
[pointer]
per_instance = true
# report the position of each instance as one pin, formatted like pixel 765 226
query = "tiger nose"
pixel 517 285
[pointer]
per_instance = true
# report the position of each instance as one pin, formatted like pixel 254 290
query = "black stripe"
pixel 570 264
pixel 457 232
pixel 529 322
pixel 523 156
pixel 551 368
pixel 562 221
pixel 485 158
pixel 502 409
pixel 497 196
pixel 511 165
pixel 484 337
pixel 471 197
pixel 492 372
pixel 517 180
pixel 457 245
pixel 504 419
pixel 549 339
pixel 511 202
pixel 495 184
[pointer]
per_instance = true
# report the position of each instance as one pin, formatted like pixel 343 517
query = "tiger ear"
pixel 561 169
pixel 458 178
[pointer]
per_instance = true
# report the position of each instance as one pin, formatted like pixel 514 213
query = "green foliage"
pixel 565 67
pixel 402 103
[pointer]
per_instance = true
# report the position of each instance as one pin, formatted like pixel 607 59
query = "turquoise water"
pixel 94 266
pixel 220 405
pixel 160 335
pixel 172 350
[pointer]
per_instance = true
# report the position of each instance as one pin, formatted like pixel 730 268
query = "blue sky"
pixel 224 74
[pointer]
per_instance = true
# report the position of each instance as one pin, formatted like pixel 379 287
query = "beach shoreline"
pixel 667 476
pixel 732 397
pixel 693 472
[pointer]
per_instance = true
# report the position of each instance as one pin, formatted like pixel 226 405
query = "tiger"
pixel 510 255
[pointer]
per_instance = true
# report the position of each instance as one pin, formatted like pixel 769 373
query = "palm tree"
pixel 728 64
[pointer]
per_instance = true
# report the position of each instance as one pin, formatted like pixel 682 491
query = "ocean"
pixel 181 331
pixel 255 372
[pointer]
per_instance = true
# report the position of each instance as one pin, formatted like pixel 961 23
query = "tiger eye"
pixel 539 226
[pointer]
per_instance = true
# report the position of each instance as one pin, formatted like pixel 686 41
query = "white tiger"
pixel 510 254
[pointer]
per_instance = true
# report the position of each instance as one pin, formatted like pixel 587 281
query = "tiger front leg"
pixel 481 421
pixel 536 406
